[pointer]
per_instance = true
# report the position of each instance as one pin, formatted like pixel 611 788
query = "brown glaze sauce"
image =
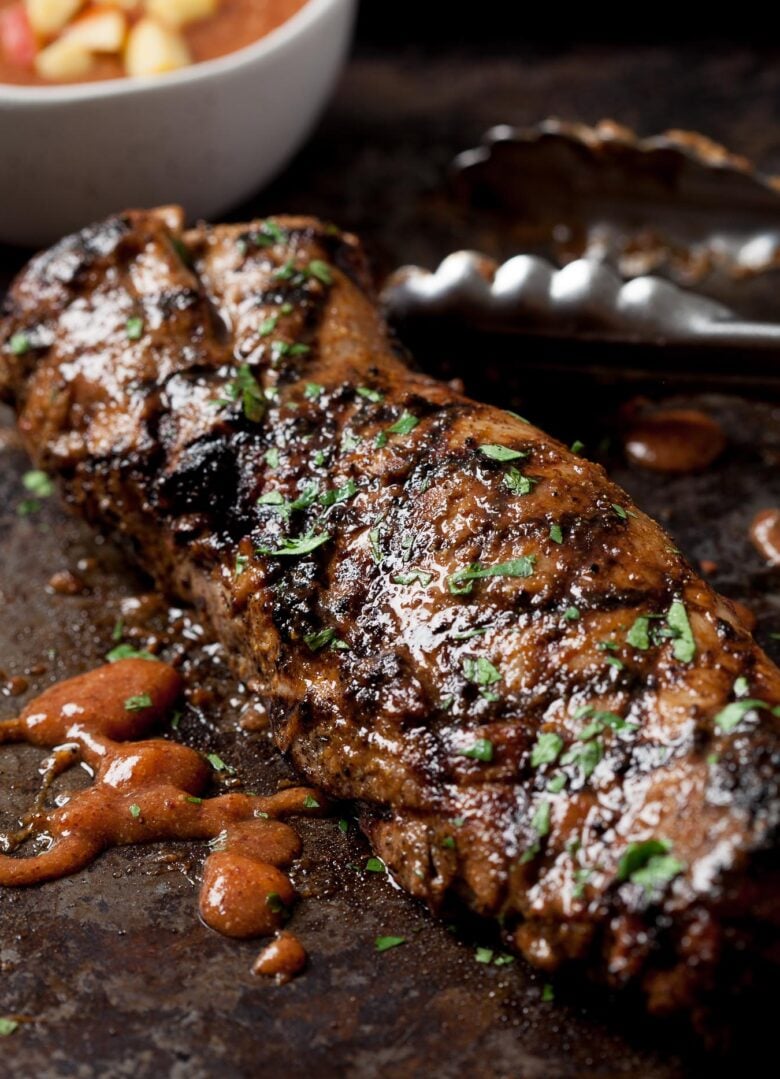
pixel 149 789
pixel 765 535
pixel 674 440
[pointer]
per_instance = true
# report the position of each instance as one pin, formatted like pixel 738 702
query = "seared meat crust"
pixel 458 623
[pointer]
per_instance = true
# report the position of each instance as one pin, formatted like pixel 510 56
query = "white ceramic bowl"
pixel 205 137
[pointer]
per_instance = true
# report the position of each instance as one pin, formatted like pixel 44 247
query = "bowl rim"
pixel 128 85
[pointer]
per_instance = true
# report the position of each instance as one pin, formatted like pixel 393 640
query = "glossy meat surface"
pixel 453 619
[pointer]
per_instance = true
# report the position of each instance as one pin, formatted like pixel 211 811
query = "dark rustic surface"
pixel 111 968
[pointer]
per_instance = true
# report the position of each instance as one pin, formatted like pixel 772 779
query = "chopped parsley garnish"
pixel 296 545
pixel 613 661
pixel 384 944
pixel 272 457
pixel 134 327
pixel 482 673
pixel 343 826
pixel 267 235
pixel 548 994
pixel 349 442
pixel 481 750
pixel 581 878
pixel 741 686
pixel 310 803
pixel 622 513
pixel 217 763
pixel 324 637
pixel 556 535
pixel 7 1027
pixel 313 390
pixel 540 822
pixel 732 715
pixel 404 425
pixel 375 865
pixel 127 651
pixel 242 561
pixel 448 842
pixel 193 800
pixel 599 721
pixel 547 748
pixel 684 647
pixel 135 811
pixel 319 269
pixel 577 446
pixel 467 634
pixel 649 864
pixel 484 955
pixel 639 634
pixel 19 344
pixel 245 388
pixel 501 453
pixel 340 494
pixel 275 903
pixel 138 703
pixel 370 395
pixel 420 575
pixel 586 756
pixel 572 614
pixel 38 483
pixel 556 783
pixel 517 482
pixel 376 550
pixel 460 583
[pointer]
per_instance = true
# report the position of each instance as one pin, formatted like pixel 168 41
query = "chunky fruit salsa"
pixel 54 41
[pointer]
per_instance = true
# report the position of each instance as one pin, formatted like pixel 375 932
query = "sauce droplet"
pixel 674 440
pixel 282 959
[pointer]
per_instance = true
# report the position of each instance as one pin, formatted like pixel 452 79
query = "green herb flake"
pixel 138 703
pixel 415 575
pixel 586 756
pixel 639 634
pixel 134 327
pixel 313 390
pixel 320 639
pixel 272 457
pixel 135 811
pixel 481 672
pixel 376 550
pixel 310 803
pixel 540 822
pixel 613 661
pixel 556 783
pixel 275 903
pixel 370 395
pixel 38 483
pixel 448 842
pixel 481 750
pixel 8 1027
pixel 343 826
pixel 404 425
pixel 622 513
pixel 572 614
pixel 741 686
pixel 547 749
pixel 484 955
pixel 320 270
pixel 19 344
pixel 245 388
pixel 296 545
pixel 497 452
pixel 384 944
pixel 649 864
pixel 340 494
pixel 193 800
pixel 375 865
pixel 127 651
pixel 460 582
pixel 732 715
pixel 517 482
pixel 556 535
pixel 218 764
pixel 548 994
pixel 684 647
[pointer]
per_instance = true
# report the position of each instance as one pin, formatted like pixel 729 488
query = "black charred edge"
pixel 67 261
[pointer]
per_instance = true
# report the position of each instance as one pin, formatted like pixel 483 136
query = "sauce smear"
pixel 151 789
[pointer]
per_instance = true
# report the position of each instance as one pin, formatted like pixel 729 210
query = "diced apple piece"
pixel 153 49
pixel 100 30
pixel 63 60
pixel 17 41
pixel 47 17
pixel 179 12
